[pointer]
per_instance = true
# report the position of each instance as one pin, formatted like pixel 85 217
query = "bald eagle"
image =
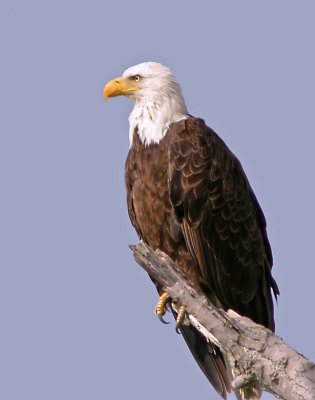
pixel 188 196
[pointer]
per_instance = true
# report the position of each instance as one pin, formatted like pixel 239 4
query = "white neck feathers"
pixel 151 118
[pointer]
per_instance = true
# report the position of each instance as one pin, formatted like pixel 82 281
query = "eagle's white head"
pixel 157 96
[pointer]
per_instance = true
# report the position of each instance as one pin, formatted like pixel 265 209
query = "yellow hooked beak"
pixel 120 87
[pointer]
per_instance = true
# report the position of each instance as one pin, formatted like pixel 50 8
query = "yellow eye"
pixel 137 78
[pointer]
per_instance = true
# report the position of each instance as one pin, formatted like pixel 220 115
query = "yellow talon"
pixel 160 308
pixel 180 317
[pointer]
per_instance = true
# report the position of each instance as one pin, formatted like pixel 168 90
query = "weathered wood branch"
pixel 254 352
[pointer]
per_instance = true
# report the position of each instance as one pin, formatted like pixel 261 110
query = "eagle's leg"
pixel 180 317
pixel 160 308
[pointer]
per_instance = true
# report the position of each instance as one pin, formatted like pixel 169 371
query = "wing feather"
pixel 222 222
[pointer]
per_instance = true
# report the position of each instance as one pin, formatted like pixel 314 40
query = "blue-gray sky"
pixel 77 317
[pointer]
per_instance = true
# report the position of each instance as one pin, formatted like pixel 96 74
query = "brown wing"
pixel 223 224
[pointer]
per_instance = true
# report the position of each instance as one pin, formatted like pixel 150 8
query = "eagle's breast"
pixel 148 194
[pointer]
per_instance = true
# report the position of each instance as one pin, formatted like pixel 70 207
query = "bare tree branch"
pixel 254 353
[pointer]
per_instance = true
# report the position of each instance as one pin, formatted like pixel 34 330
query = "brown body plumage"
pixel 189 197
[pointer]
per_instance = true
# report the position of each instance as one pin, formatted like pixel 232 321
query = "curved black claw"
pixel 177 329
pixel 160 317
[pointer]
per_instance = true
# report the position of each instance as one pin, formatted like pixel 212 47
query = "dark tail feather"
pixel 209 359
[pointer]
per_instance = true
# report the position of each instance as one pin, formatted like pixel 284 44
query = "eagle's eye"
pixel 136 78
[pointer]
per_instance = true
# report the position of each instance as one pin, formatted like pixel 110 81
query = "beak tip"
pixel 105 93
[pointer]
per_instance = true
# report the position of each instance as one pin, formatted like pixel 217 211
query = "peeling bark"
pixel 256 355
